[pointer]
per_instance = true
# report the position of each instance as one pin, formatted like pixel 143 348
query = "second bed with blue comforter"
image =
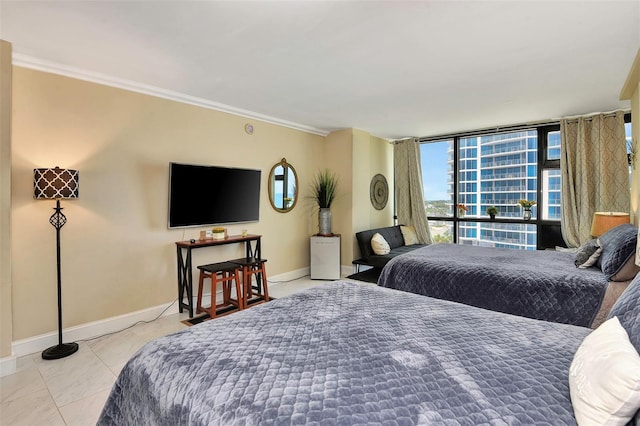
pixel 543 285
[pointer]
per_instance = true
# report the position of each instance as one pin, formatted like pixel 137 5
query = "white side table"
pixel 325 257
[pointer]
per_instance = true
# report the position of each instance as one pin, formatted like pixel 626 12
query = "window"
pixel 437 179
pixel 494 169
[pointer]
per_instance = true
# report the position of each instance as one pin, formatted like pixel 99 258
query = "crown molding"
pixel 80 74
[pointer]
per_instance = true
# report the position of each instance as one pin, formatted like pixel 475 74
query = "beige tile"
pixel 21 384
pixel 35 409
pixel 160 327
pixel 116 349
pixel 279 290
pixel 74 377
pixel 85 411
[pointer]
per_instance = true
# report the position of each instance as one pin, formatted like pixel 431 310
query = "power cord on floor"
pixel 165 310
pixel 132 325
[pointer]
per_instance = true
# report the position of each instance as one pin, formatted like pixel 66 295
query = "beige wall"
pixel 117 254
pixel 371 156
pixel 631 91
pixel 5 200
pixel 356 157
pixel 635 176
pixel 338 159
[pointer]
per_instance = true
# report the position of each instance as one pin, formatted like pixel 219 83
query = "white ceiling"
pixel 392 68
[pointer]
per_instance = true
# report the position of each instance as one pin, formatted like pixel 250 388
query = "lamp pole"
pixel 61 350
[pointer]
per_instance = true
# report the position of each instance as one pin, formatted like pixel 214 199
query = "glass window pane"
pixel 503 168
pixel 551 188
pixel 553 145
pixel 437 177
pixel 502 235
pixel 441 231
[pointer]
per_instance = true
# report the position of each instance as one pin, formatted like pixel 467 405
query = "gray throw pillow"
pixel 588 254
pixel 618 245
pixel 627 309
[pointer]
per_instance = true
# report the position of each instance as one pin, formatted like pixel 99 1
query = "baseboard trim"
pixel 94 329
pixel 91 329
pixel 8 365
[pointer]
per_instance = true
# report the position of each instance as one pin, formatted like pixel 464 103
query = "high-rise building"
pixel 498 170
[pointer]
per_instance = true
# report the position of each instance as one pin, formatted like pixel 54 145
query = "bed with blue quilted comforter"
pixel 352 353
pixel 543 285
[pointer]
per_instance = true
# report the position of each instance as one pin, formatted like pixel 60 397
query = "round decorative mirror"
pixel 283 186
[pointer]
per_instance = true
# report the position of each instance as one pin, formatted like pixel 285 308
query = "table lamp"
pixel 55 184
pixel 604 221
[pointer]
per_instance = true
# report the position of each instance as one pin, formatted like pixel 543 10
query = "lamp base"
pixel 60 351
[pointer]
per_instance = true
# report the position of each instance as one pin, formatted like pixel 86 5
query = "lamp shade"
pixel 604 221
pixel 55 183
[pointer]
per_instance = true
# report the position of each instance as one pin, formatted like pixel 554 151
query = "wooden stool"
pixel 249 268
pixel 225 273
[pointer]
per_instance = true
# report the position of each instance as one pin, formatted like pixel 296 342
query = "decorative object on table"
pixel 604 221
pixel 462 209
pixel 283 186
pixel 55 184
pixel 379 192
pixel 324 192
pixel 219 233
pixel 492 211
pixel 526 205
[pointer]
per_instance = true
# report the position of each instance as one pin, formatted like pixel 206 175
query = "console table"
pixel 185 267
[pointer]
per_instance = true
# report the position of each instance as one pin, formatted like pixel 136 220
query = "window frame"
pixel 547 230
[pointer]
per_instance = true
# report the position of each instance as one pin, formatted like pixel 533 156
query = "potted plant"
pixel 492 211
pixel 462 209
pixel 526 205
pixel 323 189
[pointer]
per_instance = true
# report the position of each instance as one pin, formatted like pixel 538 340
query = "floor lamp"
pixel 54 184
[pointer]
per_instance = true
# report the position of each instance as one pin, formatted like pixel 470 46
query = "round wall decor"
pixel 379 191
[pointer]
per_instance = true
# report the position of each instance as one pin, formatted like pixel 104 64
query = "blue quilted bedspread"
pixel 349 354
pixel 544 285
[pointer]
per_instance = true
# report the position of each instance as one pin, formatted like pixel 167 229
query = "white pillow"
pixel 409 235
pixel 379 245
pixel 604 378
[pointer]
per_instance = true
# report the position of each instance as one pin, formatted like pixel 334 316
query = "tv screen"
pixel 210 195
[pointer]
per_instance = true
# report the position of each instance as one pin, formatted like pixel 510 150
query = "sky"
pixel 434 170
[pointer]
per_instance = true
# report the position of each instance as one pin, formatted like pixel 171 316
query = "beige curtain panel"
pixel 409 190
pixel 595 172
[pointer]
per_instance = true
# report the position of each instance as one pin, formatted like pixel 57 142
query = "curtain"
pixel 409 190
pixel 595 172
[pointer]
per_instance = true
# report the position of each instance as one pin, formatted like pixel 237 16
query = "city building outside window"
pixel 493 169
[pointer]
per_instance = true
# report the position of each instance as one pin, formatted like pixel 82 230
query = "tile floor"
pixel 72 390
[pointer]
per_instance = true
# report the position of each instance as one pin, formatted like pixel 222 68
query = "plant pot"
pixel 492 216
pixel 527 214
pixel 324 222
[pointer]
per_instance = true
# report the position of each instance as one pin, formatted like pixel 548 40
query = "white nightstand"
pixel 325 257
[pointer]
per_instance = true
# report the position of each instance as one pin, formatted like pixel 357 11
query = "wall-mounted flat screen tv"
pixel 210 195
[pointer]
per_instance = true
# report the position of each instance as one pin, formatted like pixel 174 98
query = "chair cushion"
pixel 379 245
pixel 618 246
pixel 409 235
